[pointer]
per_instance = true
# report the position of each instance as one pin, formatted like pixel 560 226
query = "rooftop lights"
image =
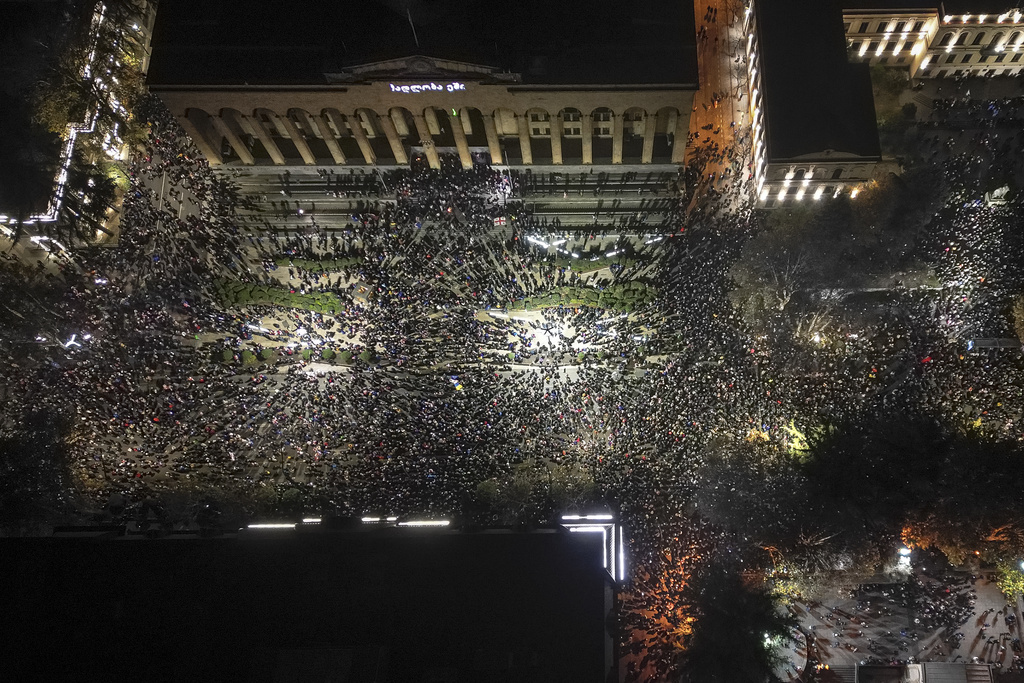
pixel 272 526
pixel 588 517
pixel 426 522
pixel 310 520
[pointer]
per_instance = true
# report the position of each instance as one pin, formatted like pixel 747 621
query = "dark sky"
pixel 572 41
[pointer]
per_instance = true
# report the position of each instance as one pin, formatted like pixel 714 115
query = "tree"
pixel 753 489
pixel 35 479
pixel 1018 317
pixel 1011 580
pixel 739 629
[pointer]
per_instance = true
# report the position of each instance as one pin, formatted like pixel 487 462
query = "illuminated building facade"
pixel 937 40
pixel 813 127
pixel 583 86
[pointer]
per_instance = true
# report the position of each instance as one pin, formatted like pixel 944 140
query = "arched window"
pixel 978 38
pixel 946 39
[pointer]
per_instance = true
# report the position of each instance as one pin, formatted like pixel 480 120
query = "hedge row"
pixel 620 297
pixel 319 266
pixel 238 294
pixel 584 265
pixel 247 357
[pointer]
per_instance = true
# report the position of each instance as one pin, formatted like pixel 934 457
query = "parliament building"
pixel 382 83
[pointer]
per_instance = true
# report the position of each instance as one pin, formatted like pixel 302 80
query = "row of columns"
pixel 206 135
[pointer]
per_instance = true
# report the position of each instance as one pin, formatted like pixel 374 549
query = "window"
pixel 837 174
pixel 950 58
pixel 538 117
pixel 1015 58
pixel 855 45
pixel 962 38
pixel 846 27
pixel 863 27
pixel 883 60
pixel 901 60
pixel 978 38
pixel 872 46
pixel 571 131
pixel 603 116
pixel 899 26
pixel 918 26
pixel 966 59
pixel 571 116
pixel 946 38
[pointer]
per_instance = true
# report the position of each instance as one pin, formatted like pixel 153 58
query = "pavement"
pixel 877 623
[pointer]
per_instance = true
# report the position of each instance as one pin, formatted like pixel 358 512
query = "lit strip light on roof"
pixel 290 525
pixel 426 522
pixel 613 550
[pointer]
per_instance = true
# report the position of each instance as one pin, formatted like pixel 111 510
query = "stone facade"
pixel 390 112
pixel 934 45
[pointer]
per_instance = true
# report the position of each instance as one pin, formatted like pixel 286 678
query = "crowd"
pixel 461 388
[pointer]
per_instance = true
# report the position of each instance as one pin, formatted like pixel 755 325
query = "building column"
pixel 617 138
pixel 680 138
pixel 397 148
pixel 588 138
pixel 555 130
pixel 328 135
pixel 236 142
pixel 492 139
pixel 300 141
pixel 356 126
pixel 268 142
pixel 524 138
pixel 650 126
pixel 460 141
pixel 427 141
pixel 202 139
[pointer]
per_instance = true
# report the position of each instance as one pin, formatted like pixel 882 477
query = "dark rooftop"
pixel 387 606
pixel 585 42
pixel 815 100
pixel 954 7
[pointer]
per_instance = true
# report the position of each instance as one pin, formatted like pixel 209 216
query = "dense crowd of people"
pixel 459 386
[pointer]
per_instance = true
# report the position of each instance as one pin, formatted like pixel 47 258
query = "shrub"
pixel 327 354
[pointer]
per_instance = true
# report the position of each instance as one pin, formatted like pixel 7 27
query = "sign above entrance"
pixel 428 87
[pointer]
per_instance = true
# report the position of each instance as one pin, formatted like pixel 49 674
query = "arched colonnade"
pixel 365 136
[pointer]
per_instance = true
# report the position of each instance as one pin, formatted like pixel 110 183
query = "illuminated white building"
pixel 359 84
pixel 937 40
pixel 813 127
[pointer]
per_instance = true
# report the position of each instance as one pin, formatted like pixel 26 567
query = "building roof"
pixel 394 605
pixel 815 100
pixel 572 42
pixel 943 7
